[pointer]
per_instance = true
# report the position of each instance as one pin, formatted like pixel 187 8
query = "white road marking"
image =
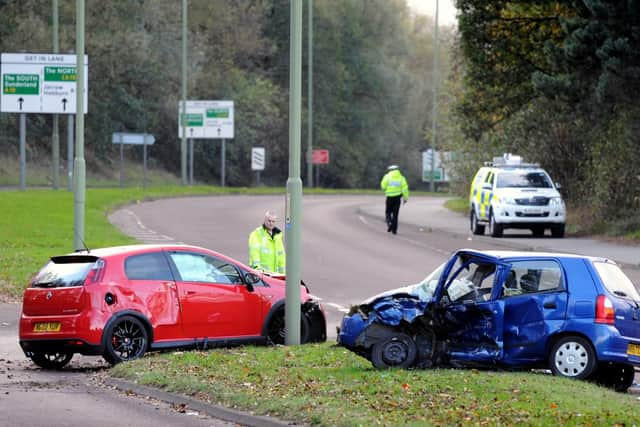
pixel 337 307
pixel 146 234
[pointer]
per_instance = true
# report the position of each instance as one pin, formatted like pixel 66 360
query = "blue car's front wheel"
pixel 394 351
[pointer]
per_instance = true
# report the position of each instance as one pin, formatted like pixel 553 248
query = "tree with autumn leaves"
pixel 557 82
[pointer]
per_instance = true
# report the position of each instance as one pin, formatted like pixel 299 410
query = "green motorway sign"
pixel 426 175
pixel 60 74
pixel 218 113
pixel 21 84
pixel 193 120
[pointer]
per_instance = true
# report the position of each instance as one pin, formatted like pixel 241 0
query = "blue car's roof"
pixel 501 255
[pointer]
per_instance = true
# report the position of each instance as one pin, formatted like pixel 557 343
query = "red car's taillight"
pixel 96 273
pixel 605 313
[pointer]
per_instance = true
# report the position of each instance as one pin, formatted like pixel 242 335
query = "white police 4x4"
pixel 510 194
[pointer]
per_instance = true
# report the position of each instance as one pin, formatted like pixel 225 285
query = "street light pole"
pixel 293 214
pixel 55 134
pixel 79 167
pixel 183 116
pixel 310 98
pixel 434 115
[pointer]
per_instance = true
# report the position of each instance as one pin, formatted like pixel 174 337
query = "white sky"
pixel 446 10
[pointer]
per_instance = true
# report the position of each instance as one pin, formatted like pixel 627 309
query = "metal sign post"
pixel 319 157
pixel 257 161
pixel 42 83
pixel 208 120
pixel 23 153
pixel 190 161
pixel 143 139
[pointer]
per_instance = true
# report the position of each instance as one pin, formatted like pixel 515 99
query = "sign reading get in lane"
pixel 40 83
pixel 206 119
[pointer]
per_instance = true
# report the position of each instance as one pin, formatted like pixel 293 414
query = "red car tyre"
pixel 51 360
pixel 126 339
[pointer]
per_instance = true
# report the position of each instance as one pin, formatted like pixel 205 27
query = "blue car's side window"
pixel 528 277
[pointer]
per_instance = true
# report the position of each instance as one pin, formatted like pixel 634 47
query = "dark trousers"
pixel 391 213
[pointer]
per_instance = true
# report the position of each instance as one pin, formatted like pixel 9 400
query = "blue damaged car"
pixel 575 315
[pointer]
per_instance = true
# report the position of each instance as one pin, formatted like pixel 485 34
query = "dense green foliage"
pixel 371 82
pixel 327 385
pixel 556 82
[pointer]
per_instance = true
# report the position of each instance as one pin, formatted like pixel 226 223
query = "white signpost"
pixel 40 83
pixel 207 119
pixel 143 139
pixel 257 161
pixel 257 158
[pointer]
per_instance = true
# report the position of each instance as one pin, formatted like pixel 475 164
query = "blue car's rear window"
pixel 616 281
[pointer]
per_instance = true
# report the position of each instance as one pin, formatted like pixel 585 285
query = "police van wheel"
pixel 496 229
pixel 538 231
pixel 475 227
pixel 557 230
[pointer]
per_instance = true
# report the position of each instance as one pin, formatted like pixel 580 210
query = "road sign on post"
pixel 257 158
pixel 143 139
pixel 132 138
pixel 320 157
pixel 207 119
pixel 40 83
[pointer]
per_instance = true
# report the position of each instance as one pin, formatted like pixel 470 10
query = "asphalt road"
pixel 347 253
pixel 347 256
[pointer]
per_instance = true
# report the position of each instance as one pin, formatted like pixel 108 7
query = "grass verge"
pixel 326 385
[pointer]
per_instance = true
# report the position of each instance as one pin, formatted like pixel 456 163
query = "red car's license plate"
pixel 46 327
pixel 633 350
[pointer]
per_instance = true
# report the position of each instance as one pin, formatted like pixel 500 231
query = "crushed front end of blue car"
pixel 574 315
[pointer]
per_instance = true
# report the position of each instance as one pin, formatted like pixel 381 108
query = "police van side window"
pixel 489 178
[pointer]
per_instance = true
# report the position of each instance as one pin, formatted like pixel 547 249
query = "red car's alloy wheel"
pixel 126 340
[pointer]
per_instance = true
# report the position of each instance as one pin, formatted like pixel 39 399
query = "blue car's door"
pixel 476 334
pixel 535 306
pixel 472 314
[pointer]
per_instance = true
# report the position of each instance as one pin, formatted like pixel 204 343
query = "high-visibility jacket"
pixel 394 184
pixel 266 252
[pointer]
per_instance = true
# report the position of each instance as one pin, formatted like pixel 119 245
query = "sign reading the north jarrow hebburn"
pixel 40 83
pixel 207 119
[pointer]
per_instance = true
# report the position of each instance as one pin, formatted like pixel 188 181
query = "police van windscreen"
pixel 523 179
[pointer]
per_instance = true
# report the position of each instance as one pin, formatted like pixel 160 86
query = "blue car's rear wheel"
pixel 394 351
pixel 572 357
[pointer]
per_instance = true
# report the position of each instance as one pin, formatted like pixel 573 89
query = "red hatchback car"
pixel 120 302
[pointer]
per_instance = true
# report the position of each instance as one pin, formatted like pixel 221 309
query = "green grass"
pixel 323 384
pixel 458 205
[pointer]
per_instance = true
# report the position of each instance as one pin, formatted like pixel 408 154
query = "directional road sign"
pixel 132 138
pixel 207 119
pixel 40 83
